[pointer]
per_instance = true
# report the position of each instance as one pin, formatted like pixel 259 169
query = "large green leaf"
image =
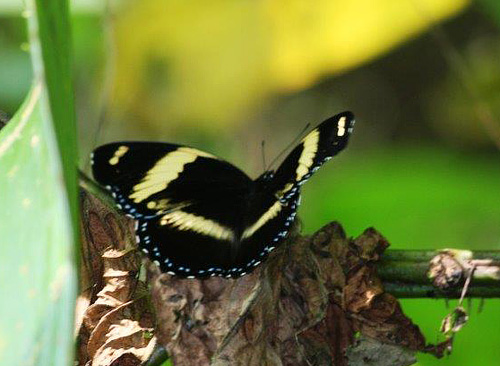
pixel 37 275
pixel 38 204
pixel 53 61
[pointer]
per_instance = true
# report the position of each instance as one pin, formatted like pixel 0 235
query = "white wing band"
pixel 271 213
pixel 188 221
pixel 166 170
pixel 306 159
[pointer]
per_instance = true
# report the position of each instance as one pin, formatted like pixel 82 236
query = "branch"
pixel 440 273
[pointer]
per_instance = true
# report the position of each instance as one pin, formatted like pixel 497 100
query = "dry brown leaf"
pixel 302 307
pixel 118 324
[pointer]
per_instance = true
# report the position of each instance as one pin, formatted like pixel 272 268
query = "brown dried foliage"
pixel 115 320
pixel 306 305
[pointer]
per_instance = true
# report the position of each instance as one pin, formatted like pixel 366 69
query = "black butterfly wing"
pixel 321 144
pixel 198 240
pixel 267 224
pixel 189 205
pixel 226 234
pixel 148 179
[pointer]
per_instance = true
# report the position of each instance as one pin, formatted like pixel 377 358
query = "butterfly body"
pixel 200 216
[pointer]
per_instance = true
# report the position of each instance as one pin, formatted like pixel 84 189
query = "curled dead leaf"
pixel 117 325
pixel 454 321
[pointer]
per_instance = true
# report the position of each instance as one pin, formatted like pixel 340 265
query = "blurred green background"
pixel 422 77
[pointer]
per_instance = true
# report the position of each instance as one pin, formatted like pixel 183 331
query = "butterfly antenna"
pixel 262 146
pixel 293 142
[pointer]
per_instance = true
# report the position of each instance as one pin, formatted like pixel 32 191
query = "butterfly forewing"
pixel 322 143
pixel 148 179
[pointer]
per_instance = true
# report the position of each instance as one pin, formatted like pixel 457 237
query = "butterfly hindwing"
pixel 189 243
pixel 196 241
pixel 318 146
pixel 266 227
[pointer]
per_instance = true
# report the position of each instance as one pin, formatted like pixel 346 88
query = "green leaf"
pixel 54 65
pixel 37 273
pixel 38 200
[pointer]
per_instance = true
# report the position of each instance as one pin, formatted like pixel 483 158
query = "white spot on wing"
pixel 341 126
pixel 122 150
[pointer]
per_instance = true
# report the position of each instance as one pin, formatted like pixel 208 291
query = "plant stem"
pixel 405 273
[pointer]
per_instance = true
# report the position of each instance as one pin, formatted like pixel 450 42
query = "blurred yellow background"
pixel 421 76
pixel 215 62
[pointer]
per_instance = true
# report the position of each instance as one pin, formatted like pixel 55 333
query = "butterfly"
pixel 199 216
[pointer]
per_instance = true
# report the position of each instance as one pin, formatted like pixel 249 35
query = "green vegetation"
pixel 38 195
